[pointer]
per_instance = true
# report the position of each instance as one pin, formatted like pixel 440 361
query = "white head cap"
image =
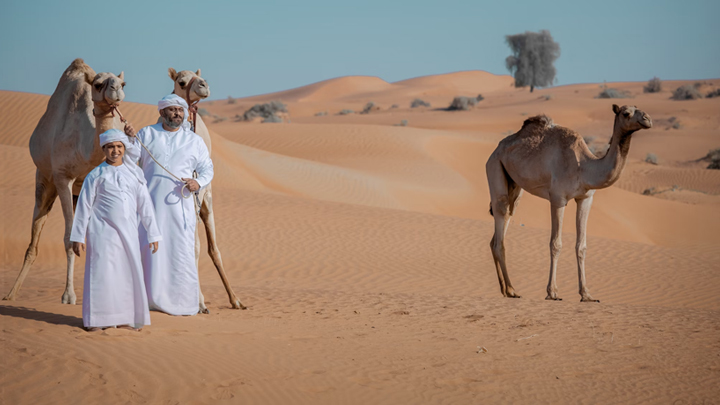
pixel 116 135
pixel 175 100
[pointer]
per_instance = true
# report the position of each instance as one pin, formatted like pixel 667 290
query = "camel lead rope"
pixel 182 192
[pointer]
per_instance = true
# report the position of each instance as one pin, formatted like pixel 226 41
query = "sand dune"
pixel 361 248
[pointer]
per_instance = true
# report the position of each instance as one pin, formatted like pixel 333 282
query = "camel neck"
pixel 604 172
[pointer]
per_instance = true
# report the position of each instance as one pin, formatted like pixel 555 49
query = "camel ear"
pixel 121 76
pixel 616 109
pixel 172 73
pixel 198 72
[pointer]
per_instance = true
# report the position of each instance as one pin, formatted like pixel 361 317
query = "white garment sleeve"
pixel 146 210
pixel 134 151
pixel 84 209
pixel 204 166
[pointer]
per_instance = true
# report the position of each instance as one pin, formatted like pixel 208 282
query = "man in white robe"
pixel 106 219
pixel 171 276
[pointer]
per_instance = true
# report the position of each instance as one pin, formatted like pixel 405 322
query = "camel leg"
pixel 45 194
pixel 557 213
pixel 208 218
pixel 64 190
pixel 202 308
pixel 502 212
pixel 583 210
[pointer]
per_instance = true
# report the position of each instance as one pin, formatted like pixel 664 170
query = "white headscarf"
pixel 175 100
pixel 116 135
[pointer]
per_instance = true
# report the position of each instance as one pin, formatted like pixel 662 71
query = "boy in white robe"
pixel 112 196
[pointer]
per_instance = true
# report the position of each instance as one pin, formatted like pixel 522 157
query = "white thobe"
pixel 107 217
pixel 171 275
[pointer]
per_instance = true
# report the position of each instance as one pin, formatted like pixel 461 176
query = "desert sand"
pixel 361 248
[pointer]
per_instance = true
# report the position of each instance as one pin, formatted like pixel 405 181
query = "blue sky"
pixel 246 48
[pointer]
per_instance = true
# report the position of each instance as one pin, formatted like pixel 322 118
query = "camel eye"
pixel 182 84
pixel 97 86
pixel 626 113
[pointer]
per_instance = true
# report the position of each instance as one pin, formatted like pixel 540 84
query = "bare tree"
pixel 534 54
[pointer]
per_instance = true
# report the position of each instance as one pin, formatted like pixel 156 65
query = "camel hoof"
pixel 8 298
pixel 549 298
pixel 237 305
pixel 68 298
pixel 588 300
pixel 203 311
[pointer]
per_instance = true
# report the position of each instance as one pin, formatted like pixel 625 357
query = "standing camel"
pixel 65 147
pixel 554 163
pixel 194 88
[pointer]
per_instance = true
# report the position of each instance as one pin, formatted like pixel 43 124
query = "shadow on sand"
pixel 35 315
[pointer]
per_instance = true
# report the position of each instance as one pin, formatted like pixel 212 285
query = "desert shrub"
pixel 714 157
pixel 368 107
pixel 653 85
pixel 463 103
pixel 403 123
pixel 479 97
pixel 651 158
pixel 649 191
pixel 231 100
pixel 272 119
pixel 547 97
pixel 321 113
pixel 203 112
pixel 346 112
pixel 394 106
pixel 264 110
pixel 686 92
pixel 219 119
pixel 613 93
pixel 533 57
pixel 419 103
pixel 713 93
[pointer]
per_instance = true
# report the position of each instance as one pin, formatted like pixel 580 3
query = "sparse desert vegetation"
pixel 651 158
pixel 265 111
pixel 346 111
pixel 714 158
pixel 230 100
pixel 419 103
pixel 653 85
pixel 613 93
pixel 687 92
pixel 461 103
pixel 369 107
pixel 713 93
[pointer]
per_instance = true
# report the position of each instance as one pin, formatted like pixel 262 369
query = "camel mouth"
pixel 646 123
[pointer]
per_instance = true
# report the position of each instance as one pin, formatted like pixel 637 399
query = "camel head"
pixel 199 88
pixel 107 88
pixel 629 118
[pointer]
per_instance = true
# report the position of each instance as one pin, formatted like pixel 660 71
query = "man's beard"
pixel 172 124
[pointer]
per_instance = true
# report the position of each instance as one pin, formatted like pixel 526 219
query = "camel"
pixel 193 88
pixel 554 163
pixel 65 147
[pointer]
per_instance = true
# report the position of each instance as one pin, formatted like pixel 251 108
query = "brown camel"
pixel 198 90
pixel 65 148
pixel 554 163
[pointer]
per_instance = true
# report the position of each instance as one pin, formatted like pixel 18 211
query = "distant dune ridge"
pixel 362 250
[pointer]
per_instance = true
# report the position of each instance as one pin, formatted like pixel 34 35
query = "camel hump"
pixel 543 121
pixel 79 66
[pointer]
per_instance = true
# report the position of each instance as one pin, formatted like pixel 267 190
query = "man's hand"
pixel 129 130
pixel 76 248
pixel 192 185
pixel 153 246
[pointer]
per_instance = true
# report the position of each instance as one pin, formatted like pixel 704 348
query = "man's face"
pixel 114 152
pixel 173 116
